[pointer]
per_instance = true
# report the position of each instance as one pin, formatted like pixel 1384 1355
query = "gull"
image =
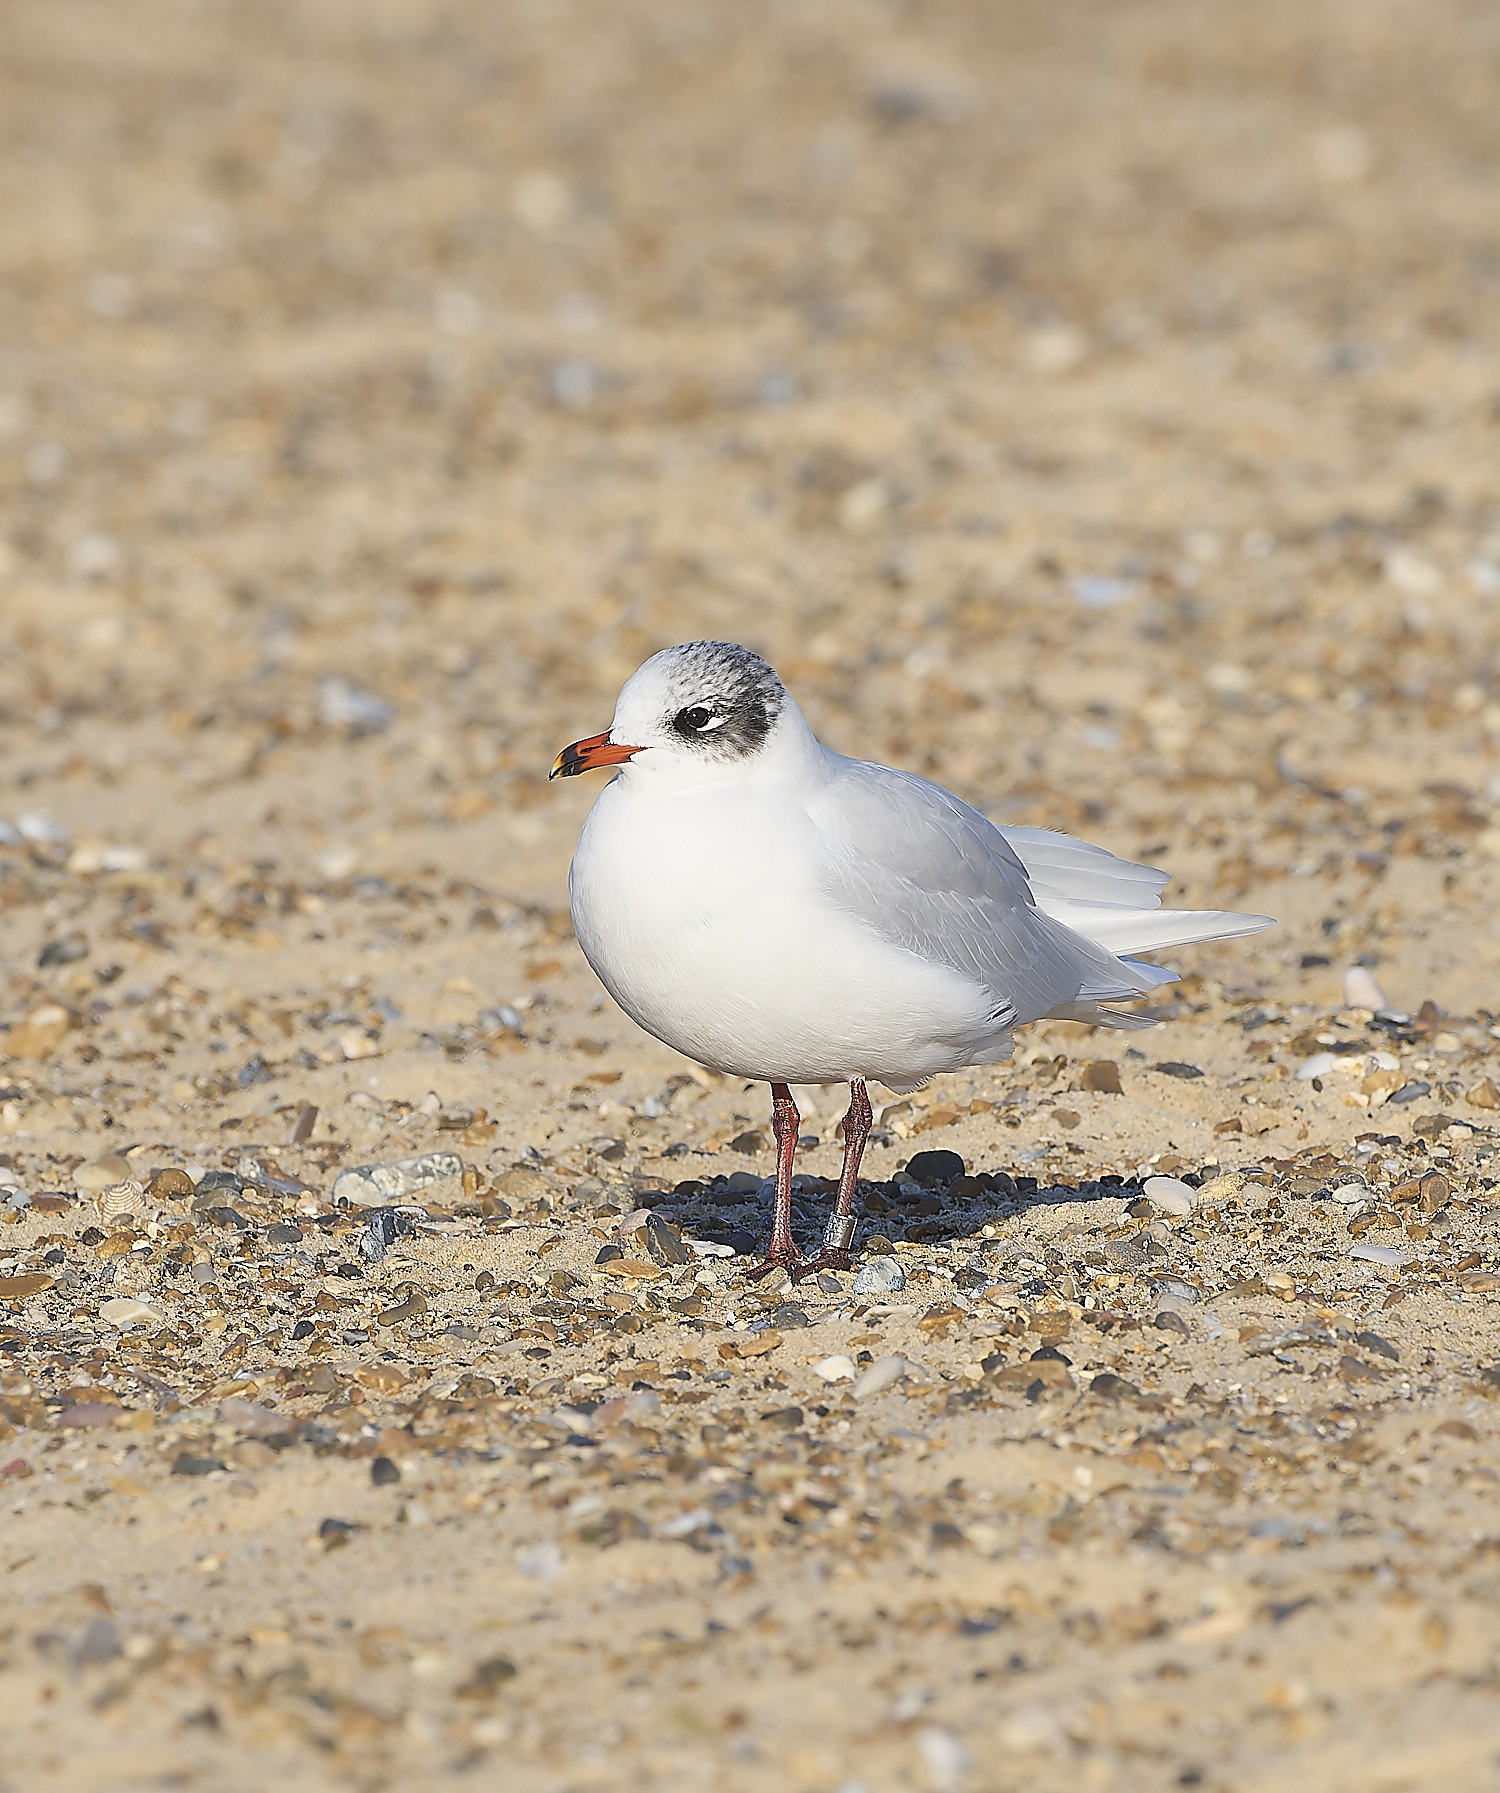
pixel 778 912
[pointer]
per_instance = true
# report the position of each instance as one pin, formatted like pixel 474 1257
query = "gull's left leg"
pixel 783 1247
pixel 840 1234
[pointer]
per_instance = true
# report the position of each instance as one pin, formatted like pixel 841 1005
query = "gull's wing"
pixel 1112 902
pixel 923 871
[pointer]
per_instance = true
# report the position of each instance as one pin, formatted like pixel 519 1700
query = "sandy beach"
pixel 1095 409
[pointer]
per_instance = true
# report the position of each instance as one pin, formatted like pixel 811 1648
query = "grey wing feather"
pixel 926 872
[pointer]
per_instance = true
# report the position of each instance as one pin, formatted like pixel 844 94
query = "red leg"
pixel 840 1234
pixel 783 1248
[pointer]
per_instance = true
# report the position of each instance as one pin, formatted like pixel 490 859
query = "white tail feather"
pixel 1112 902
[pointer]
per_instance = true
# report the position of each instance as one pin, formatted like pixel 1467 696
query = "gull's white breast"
pixel 709 915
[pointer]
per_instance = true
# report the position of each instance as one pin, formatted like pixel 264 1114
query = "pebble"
pixel 884 1373
pixel 1319 1065
pixel 1131 1253
pixel 1350 1194
pixel 390 1182
pixel 1174 1289
pixel 879 1276
pixel 1361 991
pixel 935 1170
pixel 1390 1255
pixel 90 1413
pixel 253 1421
pixel 1220 1189
pixel 344 705
pixel 170 1185
pixel 126 1311
pixel 97 1176
pixel 836 1369
pixel 1169 1196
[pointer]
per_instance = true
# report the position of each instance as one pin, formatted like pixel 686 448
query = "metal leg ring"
pixel 840 1234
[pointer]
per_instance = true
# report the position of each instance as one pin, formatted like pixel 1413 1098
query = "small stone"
pixel 1102 1077
pixel 884 1373
pixel 1110 1387
pixel 1484 1094
pixel 1353 1368
pixel 99 1641
pixel 1175 1289
pixel 253 1421
pixel 1170 1196
pixel 836 1369
pixel 20 1288
pixel 749 1142
pixel 414 1306
pixel 1350 1194
pixel 1131 1253
pixel 1389 1255
pixel 376 1183
pixel 251 1453
pixel 879 1276
pixel 125 1311
pixel 187 1464
pixel 90 1413
pixel 1361 991
pixel 935 1170
pixel 1169 1320
pixel 213 1188
pixel 40 1034
pixel 1412 1092
pixel 632 1269
pixel 1319 1065
pixel 342 705
pixel 491 1675
pixel 95 1177
pixel 664 1242
pixel 521 1184
pixel 170 1186
pixel 1220 1189
pixel 1372 1341
pixel 382 1378
pixel 1173 1067
pixel 383 1472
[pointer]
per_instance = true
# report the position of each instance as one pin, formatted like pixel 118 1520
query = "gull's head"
pixel 704 704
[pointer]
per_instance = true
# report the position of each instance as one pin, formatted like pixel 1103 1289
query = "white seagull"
pixel 779 912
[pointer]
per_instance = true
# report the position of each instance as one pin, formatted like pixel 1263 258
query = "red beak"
pixel 584 756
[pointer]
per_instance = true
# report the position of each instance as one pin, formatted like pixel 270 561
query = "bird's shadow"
pixel 933 1200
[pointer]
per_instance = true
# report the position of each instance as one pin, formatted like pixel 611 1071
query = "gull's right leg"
pixel 783 1247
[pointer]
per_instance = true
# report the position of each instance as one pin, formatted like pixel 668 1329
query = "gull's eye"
pixel 692 721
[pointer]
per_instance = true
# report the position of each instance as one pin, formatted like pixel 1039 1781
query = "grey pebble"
pixel 880 1276
pixel 1131 1253
pixel 389 1182
pixel 1389 1255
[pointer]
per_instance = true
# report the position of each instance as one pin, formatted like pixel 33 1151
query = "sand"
pixel 1091 408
